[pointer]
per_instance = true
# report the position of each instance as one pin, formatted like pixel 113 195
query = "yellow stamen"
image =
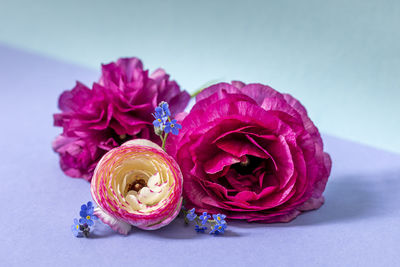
pixel 88 217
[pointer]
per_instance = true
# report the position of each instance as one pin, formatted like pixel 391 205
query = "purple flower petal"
pixel 255 155
pixel 116 109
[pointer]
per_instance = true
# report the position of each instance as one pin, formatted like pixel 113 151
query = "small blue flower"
pixel 172 126
pixel 159 112
pixel 219 228
pixel 158 122
pixel 160 117
pixel 87 209
pixel 76 229
pixel 165 108
pixel 191 215
pixel 204 218
pixel 200 229
pixel 220 218
pixel 87 214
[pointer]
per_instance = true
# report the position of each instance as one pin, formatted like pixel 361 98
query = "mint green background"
pixel 340 58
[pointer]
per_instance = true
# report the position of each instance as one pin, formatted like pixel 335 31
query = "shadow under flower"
pixel 179 230
pixel 348 198
pixel 351 198
pixel 101 230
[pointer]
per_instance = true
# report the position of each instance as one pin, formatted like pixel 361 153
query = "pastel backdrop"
pixel 340 58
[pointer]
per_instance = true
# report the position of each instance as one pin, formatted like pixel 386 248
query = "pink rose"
pixel 251 153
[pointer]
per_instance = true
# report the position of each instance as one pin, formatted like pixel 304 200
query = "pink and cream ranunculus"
pixel 137 184
pixel 251 153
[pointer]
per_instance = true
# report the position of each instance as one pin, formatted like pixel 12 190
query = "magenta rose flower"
pixel 116 109
pixel 251 153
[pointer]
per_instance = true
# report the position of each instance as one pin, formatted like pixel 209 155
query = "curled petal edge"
pixel 142 142
pixel 312 204
pixel 115 224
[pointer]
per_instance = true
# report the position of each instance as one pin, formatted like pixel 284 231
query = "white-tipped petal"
pixel 154 180
pixel 117 225
pixel 132 198
pixel 143 142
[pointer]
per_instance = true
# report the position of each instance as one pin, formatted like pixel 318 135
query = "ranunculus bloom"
pixel 251 153
pixel 137 184
pixel 116 109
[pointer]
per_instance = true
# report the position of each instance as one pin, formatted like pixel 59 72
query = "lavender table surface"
pixel 359 225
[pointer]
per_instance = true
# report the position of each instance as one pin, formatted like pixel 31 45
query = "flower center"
pixel 248 165
pixel 245 162
pixel 120 138
pixel 137 185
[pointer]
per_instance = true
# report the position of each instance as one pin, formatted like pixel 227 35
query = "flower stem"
pixel 163 141
pixel 207 84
